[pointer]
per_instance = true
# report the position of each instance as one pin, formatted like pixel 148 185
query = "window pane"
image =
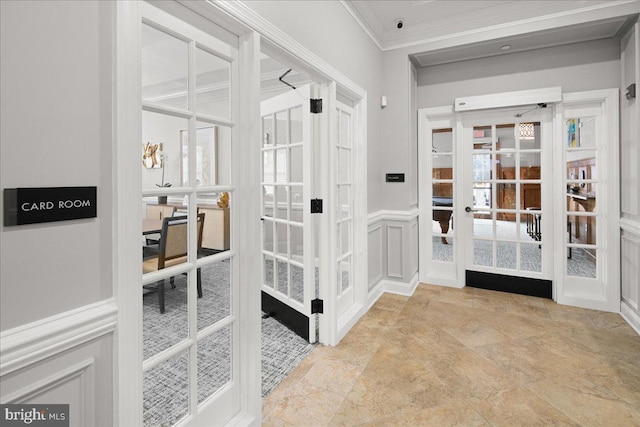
pixel 164 66
pixel 206 155
pixel 483 252
pixel 526 141
pixel 443 248
pixel 506 137
pixel 530 195
pixel 223 155
pixel 506 255
pixel 268 271
pixel 267 227
pixel 282 247
pixel 506 195
pixel 282 124
pixel 345 273
pixel 267 166
pixel 212 85
pixel 282 275
pixel 481 167
pixel 506 226
pixel 482 138
pixel 531 257
pixel 297 282
pixel 165 396
pixel 580 132
pixel 530 165
pixel 268 137
pixel 296 208
pixel 296 161
pixel 281 165
pixel 442 167
pixel 161 146
pixel 583 229
pixel 216 232
pixel 582 262
pixel 297 243
pixel 281 202
pixel 442 141
pixel 482 225
pixel 268 192
pixel 215 303
pixel 214 362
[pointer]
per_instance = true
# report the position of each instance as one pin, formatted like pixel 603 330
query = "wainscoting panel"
pixel 630 269
pixel 412 238
pixel 375 255
pixel 395 253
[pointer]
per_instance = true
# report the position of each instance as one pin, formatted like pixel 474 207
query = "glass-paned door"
pixel 507 201
pixel 189 266
pixel 288 242
pixel 343 227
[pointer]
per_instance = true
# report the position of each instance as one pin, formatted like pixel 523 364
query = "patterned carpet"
pixel 165 386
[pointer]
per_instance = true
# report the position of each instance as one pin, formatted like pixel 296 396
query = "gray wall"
pixel 329 31
pixel 56 116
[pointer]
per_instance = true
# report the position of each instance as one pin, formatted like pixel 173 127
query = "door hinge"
pixel 316 106
pixel 317 306
pixel 316 206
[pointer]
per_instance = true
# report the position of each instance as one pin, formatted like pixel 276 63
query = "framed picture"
pixel 152 155
pixel 206 156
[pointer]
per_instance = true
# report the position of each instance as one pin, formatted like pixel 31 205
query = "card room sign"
pixel 48 204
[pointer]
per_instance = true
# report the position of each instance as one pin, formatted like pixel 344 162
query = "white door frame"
pixel 609 294
pixel 245 227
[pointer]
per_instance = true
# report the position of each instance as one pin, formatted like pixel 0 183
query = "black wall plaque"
pixel 395 177
pixel 48 204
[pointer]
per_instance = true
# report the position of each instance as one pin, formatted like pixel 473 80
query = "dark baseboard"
pixel 291 318
pixel 513 284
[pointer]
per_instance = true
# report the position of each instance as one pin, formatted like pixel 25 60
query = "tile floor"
pixel 468 357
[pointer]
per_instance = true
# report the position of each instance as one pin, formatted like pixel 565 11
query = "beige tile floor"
pixel 468 357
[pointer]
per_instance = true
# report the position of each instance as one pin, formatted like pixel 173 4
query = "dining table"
pixel 151 226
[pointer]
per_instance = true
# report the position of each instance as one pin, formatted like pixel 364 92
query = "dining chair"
pixel 173 251
pixel 158 212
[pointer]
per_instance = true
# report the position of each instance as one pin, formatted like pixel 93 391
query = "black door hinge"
pixel 316 206
pixel 317 306
pixel 316 106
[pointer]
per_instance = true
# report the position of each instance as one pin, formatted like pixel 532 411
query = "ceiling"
pixel 432 20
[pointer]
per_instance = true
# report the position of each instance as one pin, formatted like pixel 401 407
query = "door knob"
pixel 469 209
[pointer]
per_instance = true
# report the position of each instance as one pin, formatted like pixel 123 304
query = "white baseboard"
pixel 401 288
pixel 30 343
pixel 375 294
pixel 632 318
pixel 348 320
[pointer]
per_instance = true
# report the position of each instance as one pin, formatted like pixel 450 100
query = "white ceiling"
pixel 429 20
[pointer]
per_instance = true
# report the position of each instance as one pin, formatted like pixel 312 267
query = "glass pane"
pixel 345 237
pixel 531 257
pixel 281 165
pixel 223 155
pixel 442 221
pixel 344 165
pixel 442 194
pixel 165 397
pixel 296 125
pixel 506 195
pixel 214 362
pixel 531 227
pixel 267 130
pixel 345 273
pixel 163 330
pixel 267 166
pixel 481 167
pixel 506 254
pixel 581 202
pixel 267 227
pixel 297 243
pixel 268 191
pixel 483 252
pixel 215 303
pixel 443 249
pixel 216 232
pixel 281 128
pixel 295 160
pixel 164 67
pixel 165 235
pixel 282 247
pixel 482 138
pixel 581 165
pixel 160 155
pixel 582 262
pixel 281 202
pixel 530 165
pixel 530 195
pixel 482 195
pixel 345 126
pixel 583 229
pixel 482 225
pixel 206 155
pixel 506 226
pixel 296 212
pixel 506 137
pixel 344 202
pixel 580 132
pixel 442 167
pixel 212 85
pixel 527 141
pixel 268 271
pixel 442 141
pixel 506 166
pixel 297 282
pixel 282 277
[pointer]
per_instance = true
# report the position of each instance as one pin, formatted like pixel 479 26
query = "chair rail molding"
pixel 27 344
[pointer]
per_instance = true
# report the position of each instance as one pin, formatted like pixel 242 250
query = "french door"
pixel 507 197
pixel 288 265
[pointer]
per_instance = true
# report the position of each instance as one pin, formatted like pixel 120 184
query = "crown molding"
pixel 360 20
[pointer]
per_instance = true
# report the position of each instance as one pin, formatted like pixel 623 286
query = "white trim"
pixel 33 342
pixel 392 215
pixel 348 320
pixel 400 274
pixel 374 294
pixel 401 288
pixel 630 226
pixel 362 22
pixel 632 318
pixel 46 384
